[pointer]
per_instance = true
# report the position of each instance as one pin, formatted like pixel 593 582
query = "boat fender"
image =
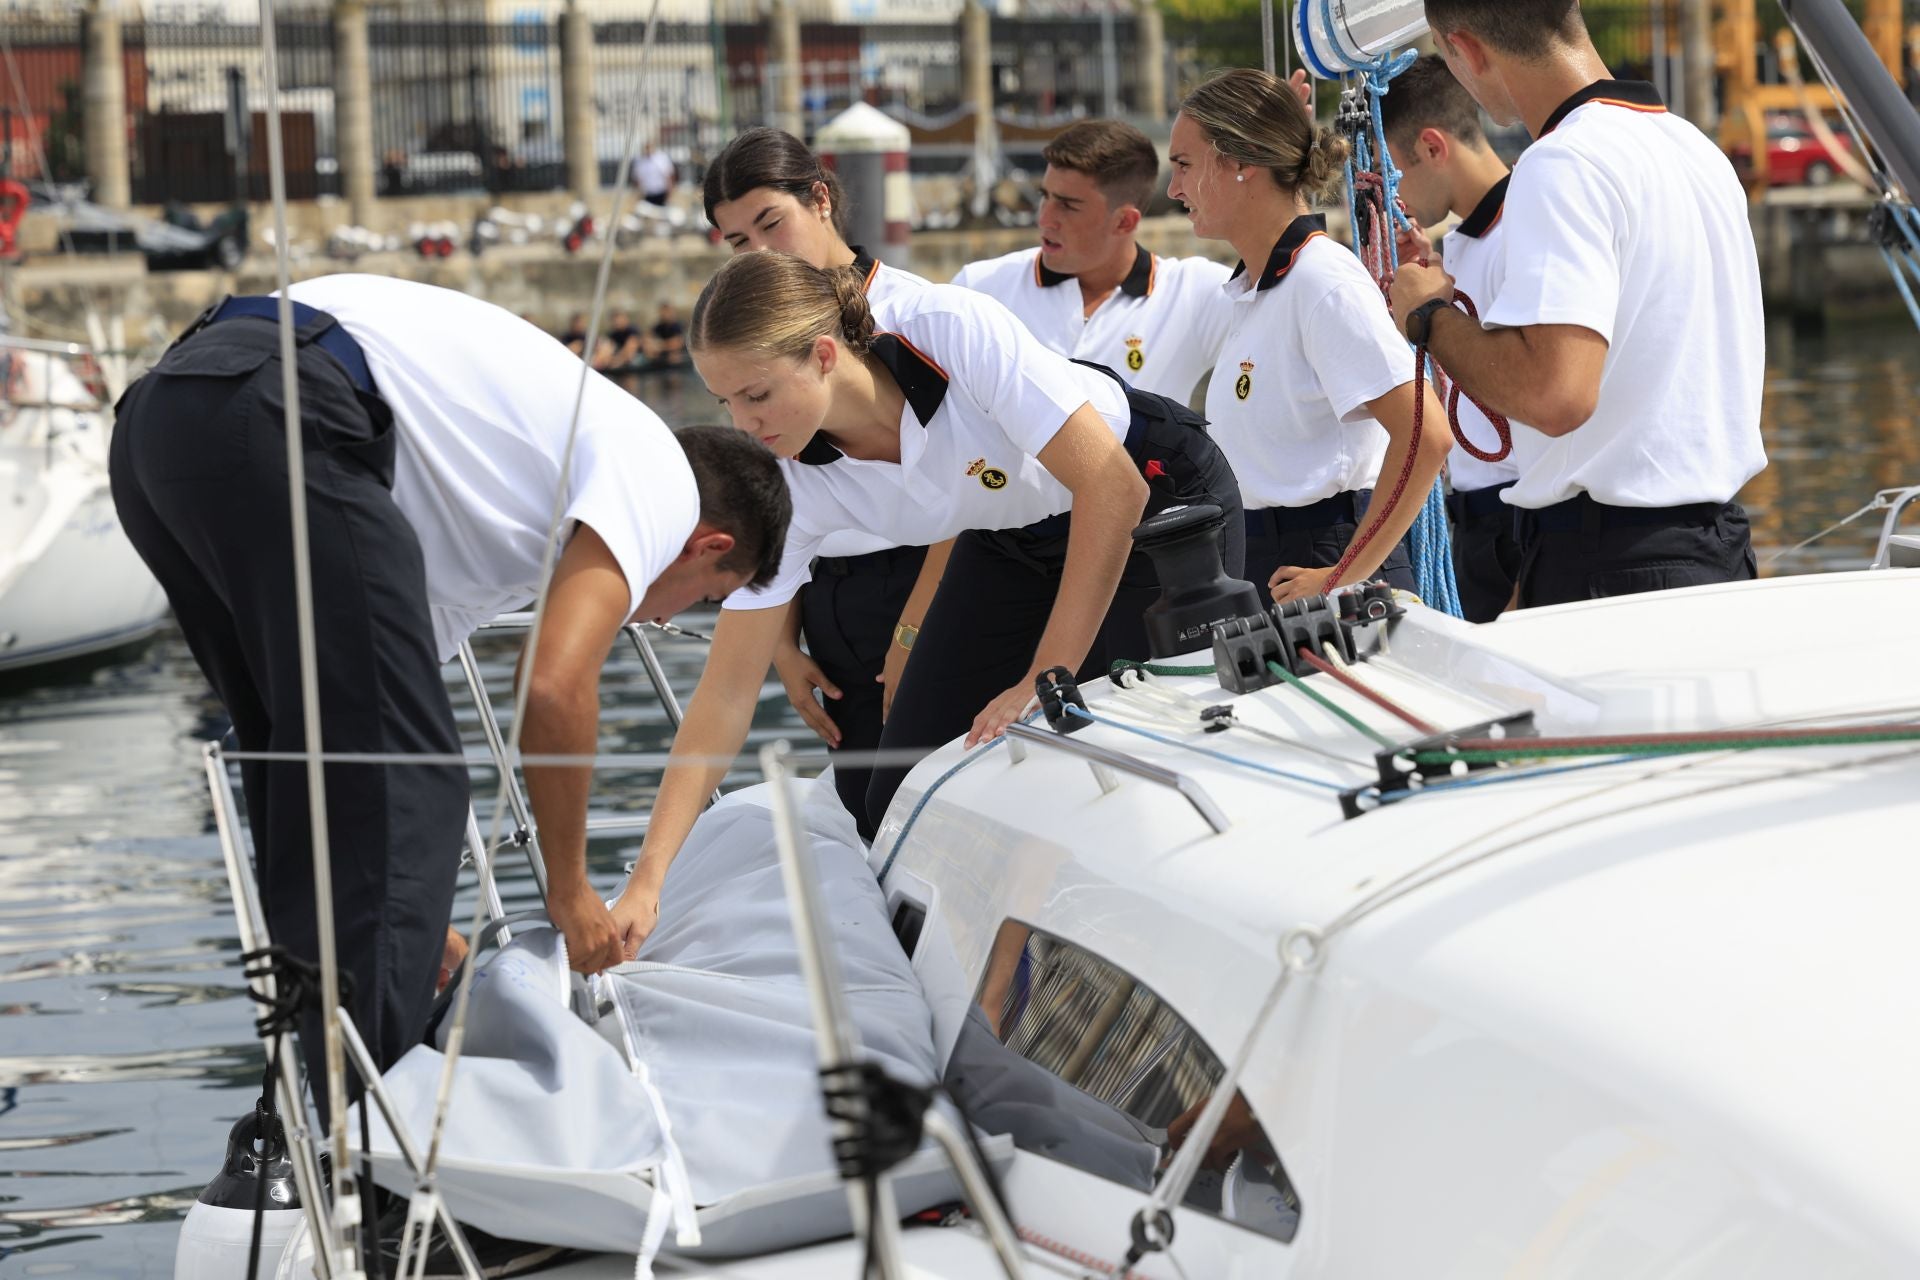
pixel 216 1239
pixel 1058 690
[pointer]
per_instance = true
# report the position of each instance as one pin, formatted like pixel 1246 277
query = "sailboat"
pixel 1341 939
pixel 71 585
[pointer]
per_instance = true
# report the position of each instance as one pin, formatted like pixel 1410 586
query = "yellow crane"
pixel 1748 103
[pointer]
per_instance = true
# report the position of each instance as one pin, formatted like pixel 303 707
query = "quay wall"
pixel 1807 271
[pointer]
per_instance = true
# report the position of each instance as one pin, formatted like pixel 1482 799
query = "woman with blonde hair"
pixel 858 615
pixel 1313 398
pixel 956 424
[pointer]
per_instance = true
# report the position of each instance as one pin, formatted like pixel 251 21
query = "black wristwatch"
pixel 1420 321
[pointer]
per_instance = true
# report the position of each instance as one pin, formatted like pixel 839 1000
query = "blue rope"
pixel 1899 270
pixel 1429 540
pixel 1908 258
pixel 1238 761
pixel 900 841
pixel 919 807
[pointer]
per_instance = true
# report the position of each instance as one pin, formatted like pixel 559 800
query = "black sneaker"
pixel 498 1258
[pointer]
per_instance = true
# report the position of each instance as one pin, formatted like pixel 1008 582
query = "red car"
pixel 1794 156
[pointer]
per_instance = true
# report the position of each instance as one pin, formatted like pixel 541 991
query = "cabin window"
pixel 1076 1061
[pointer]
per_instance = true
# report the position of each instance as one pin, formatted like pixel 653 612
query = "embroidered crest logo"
pixel 975 467
pixel 994 478
pixel 1244 386
pixel 1135 356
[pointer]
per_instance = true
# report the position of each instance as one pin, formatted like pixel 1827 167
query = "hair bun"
pixel 856 317
pixel 1324 174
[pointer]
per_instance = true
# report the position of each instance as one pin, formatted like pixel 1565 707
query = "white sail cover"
pixel 551 1137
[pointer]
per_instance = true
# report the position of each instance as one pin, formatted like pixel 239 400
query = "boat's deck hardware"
pixel 1322 625
pixel 880 1119
pixel 1402 774
pixel 1105 762
pixel 1058 690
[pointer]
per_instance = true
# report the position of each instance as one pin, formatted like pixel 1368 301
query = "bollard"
pixel 867 149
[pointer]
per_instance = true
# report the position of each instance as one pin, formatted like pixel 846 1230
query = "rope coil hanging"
pixel 1373 207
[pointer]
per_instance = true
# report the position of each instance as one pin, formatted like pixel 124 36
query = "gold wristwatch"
pixel 904 635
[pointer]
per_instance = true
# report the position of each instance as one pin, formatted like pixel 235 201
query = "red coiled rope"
pixel 1501 426
pixel 1369 200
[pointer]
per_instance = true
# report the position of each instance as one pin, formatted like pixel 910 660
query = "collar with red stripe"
pixel 1487 212
pixel 1636 95
pixel 1138 282
pixel 921 380
pixel 1287 251
pixel 865 266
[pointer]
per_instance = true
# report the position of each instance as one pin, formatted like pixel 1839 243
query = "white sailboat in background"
pixel 71 585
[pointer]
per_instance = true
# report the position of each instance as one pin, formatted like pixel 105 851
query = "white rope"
pixel 1137 682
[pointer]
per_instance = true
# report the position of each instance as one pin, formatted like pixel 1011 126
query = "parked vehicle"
pixel 1795 157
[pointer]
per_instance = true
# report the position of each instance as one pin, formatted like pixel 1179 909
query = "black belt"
pixel 334 339
pixel 1581 514
pixel 1341 508
pixel 1477 504
pixel 848 566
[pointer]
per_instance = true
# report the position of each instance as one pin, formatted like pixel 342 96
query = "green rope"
pixel 1329 704
pixel 1156 669
pixel 1654 747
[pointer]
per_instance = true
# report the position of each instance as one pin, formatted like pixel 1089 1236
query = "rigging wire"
pixel 343 1221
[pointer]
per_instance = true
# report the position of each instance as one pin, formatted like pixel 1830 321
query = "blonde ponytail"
pixel 778 305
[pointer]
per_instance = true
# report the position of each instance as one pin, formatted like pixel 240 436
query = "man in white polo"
pixel 436 443
pixel 1631 342
pixel 1447 167
pixel 1089 291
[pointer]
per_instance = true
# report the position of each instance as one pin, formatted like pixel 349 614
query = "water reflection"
pixel 1840 419
pixel 126 1048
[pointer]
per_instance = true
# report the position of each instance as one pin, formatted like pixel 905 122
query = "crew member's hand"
pixel 452 956
pixel 1238 1132
pixel 1001 712
pixel 1414 286
pixel 635 913
pixel 1299 83
pixel 802 675
pixel 1413 246
pixel 1290 583
pixel 593 940
pixel 889 677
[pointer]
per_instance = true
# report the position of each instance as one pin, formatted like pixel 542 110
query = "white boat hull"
pixel 71 585
pixel 88 592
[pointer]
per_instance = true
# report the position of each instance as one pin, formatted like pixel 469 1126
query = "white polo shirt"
pixel 1312 343
pixel 982 398
pixel 885 285
pixel 1475 259
pixel 481 402
pixel 1160 330
pixel 1628 221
